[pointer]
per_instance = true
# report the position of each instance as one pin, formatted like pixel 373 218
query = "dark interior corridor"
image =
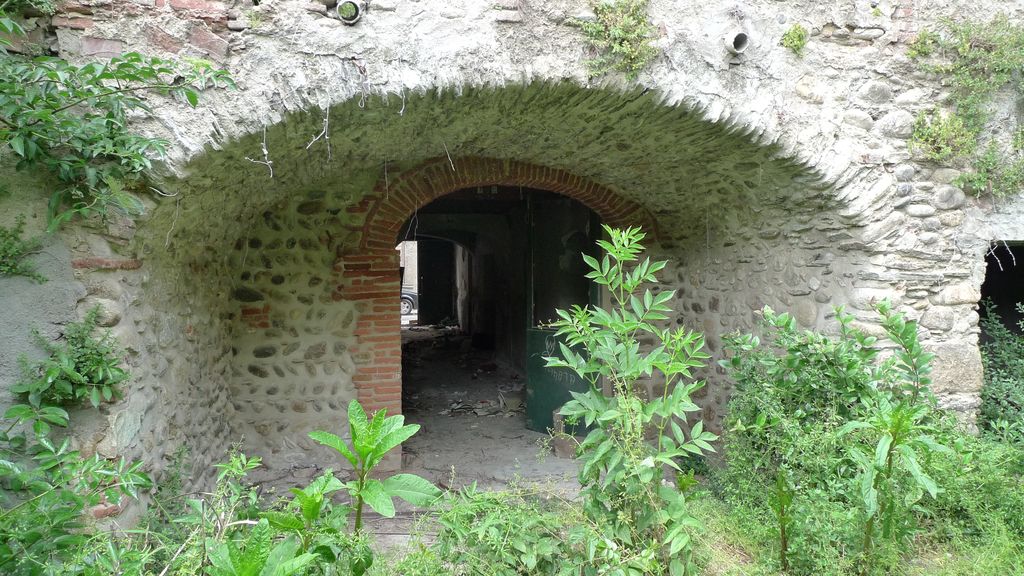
pixel 494 263
pixel 1004 282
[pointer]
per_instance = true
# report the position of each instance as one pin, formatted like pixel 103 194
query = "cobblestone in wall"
pixel 292 364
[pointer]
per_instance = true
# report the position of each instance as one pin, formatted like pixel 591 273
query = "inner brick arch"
pixel 368 270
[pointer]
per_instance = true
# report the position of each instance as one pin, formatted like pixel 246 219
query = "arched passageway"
pixel 300 299
pixel 369 270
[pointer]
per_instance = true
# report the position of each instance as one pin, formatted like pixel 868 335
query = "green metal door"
pixel 560 229
pixel 547 389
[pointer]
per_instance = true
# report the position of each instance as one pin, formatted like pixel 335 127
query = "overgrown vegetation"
pixel 51 490
pixel 838 462
pixel 870 470
pixel 796 39
pixel 977 60
pixel 74 120
pixel 622 35
pixel 1002 397
pixel 14 248
pixel 644 524
pixel 86 364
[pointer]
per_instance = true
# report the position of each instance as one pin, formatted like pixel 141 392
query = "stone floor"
pixel 469 434
pixel 470 409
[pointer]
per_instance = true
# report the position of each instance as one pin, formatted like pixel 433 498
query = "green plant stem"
pixel 783 539
pixel 359 500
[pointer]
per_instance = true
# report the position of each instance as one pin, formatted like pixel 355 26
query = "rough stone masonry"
pixel 259 293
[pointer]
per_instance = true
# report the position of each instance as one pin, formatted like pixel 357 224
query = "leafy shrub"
pixel 506 534
pixel 994 171
pixel 372 439
pixel 231 531
pixel 976 59
pixel 622 34
pixel 49 490
pixel 1002 396
pixel 796 39
pixel 14 249
pixel 84 366
pixel 787 406
pixel 942 138
pixel 73 120
pixel 983 490
pixel 838 441
pixel 634 438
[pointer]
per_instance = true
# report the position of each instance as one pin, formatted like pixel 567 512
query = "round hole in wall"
pixel 349 11
pixel 739 42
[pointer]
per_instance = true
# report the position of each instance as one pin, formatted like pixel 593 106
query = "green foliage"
pixel 633 438
pixel 924 44
pixel 781 504
pixel 259 555
pixel 49 494
pixel 622 35
pixel 942 138
pixel 839 441
pixel 983 491
pixel 49 490
pixel 14 249
pixel 22 6
pixel 796 38
pixel 1002 396
pixel 86 365
pixel 977 60
pixel 995 171
pixel 372 439
pixel 73 121
pixel 232 532
pixel 506 534
pixel 793 391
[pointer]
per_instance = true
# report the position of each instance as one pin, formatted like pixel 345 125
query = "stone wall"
pixel 258 301
pixel 292 338
pixel 174 343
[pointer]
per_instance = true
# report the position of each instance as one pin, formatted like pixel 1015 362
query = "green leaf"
pixel 882 450
pixel 17 143
pixel 396 437
pixel 922 479
pixel 413 489
pixel 284 521
pixel 376 497
pixel 19 412
pixel 333 441
pixel 851 426
pixel 359 426
pixel 282 561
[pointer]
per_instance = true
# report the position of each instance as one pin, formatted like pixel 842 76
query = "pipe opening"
pixel 739 42
pixel 349 11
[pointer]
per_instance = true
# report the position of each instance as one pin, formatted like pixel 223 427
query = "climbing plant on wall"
pixel 622 35
pixel 74 120
pixel 14 248
pixel 977 60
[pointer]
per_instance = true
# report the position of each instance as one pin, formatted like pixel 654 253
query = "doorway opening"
pixel 1004 283
pixel 408 272
pixel 492 265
